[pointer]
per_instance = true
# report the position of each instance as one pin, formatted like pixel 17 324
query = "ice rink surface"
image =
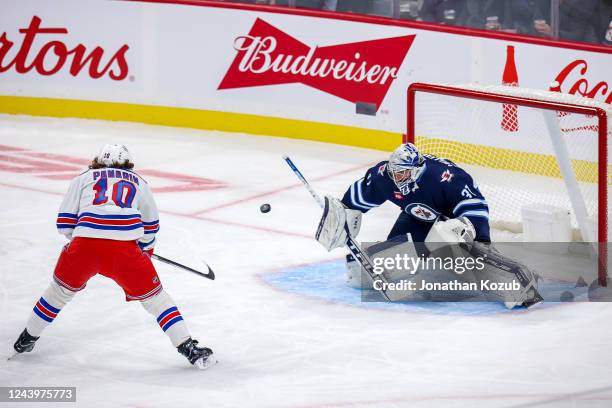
pixel 276 348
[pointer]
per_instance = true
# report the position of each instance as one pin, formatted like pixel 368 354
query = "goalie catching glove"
pixel 337 224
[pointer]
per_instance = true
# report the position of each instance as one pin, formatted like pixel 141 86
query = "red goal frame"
pixel 602 196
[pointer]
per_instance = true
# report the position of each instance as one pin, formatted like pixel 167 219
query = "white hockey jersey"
pixel 111 204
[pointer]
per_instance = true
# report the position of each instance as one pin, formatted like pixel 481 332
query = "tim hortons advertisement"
pixel 56 51
pixel 46 51
pixel 267 64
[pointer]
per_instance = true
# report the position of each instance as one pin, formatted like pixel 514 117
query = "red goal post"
pixel 585 162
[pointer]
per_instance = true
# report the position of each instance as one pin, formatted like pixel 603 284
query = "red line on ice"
pixel 229 223
pixel 275 191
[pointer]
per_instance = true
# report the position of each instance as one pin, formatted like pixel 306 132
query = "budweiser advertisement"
pixel 268 64
pixel 360 71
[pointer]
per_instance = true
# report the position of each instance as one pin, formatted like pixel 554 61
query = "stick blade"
pixel 210 274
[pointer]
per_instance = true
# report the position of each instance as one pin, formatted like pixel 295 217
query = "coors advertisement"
pixel 359 71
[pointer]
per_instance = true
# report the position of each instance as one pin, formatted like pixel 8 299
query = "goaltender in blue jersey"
pixel 425 187
pixel 440 203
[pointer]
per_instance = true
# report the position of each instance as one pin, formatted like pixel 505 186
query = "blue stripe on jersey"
pixel 166 313
pixel 355 201
pixel 143 245
pixel 112 217
pixel 360 196
pixel 67 226
pixel 151 223
pixel 171 322
pixel 155 231
pixel 109 227
pixel 472 209
pixel 66 215
pixel 480 214
pixel 473 203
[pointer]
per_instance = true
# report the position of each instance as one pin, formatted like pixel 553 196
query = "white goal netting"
pixel 521 153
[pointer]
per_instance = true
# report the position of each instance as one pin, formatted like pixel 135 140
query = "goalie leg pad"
pixel 354 275
pixel 337 224
pixel 358 278
pixel 499 268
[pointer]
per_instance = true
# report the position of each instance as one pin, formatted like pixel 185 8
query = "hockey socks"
pixel 162 307
pixel 47 308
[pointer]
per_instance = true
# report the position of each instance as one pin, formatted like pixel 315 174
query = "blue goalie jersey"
pixel 442 188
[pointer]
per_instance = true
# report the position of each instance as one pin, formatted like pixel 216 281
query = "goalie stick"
pixel 353 247
pixel 210 274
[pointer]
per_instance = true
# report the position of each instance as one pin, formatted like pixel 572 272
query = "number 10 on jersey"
pixel 122 195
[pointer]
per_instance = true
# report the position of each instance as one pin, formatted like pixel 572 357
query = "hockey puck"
pixel 265 208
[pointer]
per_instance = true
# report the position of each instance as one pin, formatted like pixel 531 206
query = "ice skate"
pixel 25 342
pixel 200 357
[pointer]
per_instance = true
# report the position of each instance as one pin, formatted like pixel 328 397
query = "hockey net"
pixel 522 146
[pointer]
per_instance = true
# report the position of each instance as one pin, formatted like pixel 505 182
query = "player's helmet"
pixel 405 166
pixel 114 153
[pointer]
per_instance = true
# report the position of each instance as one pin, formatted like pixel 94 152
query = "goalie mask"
pixel 114 153
pixel 405 166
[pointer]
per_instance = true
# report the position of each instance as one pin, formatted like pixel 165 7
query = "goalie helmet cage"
pixel 557 142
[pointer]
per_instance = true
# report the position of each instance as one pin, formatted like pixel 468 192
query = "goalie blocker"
pixel 337 224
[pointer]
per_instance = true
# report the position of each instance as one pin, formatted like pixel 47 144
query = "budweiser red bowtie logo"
pixel 357 72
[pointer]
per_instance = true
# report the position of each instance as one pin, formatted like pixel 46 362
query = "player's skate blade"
pixel 200 357
pixel 25 342
pixel 205 362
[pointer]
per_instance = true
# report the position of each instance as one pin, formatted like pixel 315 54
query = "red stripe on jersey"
pixel 102 221
pixel 63 220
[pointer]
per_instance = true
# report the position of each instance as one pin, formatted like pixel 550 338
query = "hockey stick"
pixel 353 247
pixel 210 274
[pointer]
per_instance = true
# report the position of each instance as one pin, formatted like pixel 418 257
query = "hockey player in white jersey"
pixel 111 220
